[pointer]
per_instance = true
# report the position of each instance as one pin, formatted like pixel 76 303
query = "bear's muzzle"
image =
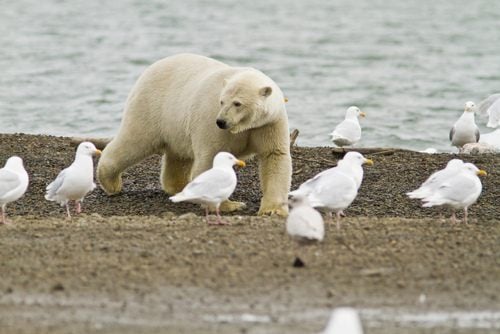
pixel 221 124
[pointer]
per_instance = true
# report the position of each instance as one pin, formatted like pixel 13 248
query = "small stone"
pixel 188 216
pixel 400 284
pixel 298 263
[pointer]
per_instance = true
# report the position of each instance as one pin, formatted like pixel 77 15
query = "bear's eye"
pixel 237 104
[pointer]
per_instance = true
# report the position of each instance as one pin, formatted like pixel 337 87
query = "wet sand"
pixel 136 263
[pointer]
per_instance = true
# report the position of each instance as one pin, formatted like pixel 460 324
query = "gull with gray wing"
pixel 465 130
pixel 459 191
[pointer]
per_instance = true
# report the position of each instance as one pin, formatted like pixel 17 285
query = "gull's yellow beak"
pixel 481 172
pixel 240 163
pixel 98 152
pixel 362 114
pixel 369 162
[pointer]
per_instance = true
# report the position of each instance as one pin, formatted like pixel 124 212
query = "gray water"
pixel 66 67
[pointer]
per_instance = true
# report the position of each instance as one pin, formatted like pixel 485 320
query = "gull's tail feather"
pixel 432 201
pixel 418 194
pixel 50 195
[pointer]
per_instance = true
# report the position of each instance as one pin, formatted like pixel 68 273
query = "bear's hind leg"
pixel 175 173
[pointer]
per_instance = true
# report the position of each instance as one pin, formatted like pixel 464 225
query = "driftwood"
pixel 101 143
pixel 293 137
pixel 320 161
pixel 369 150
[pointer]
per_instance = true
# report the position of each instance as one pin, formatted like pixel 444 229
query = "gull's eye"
pixel 237 104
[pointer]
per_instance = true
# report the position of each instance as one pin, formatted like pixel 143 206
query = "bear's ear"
pixel 265 91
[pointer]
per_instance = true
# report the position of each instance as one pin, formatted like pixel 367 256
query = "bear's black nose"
pixel 221 124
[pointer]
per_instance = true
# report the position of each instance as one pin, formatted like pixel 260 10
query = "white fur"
pixel 172 110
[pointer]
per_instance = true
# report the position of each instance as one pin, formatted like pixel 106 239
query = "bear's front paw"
pixel 230 206
pixel 111 186
pixel 281 211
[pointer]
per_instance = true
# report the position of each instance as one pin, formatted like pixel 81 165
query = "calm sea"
pixel 66 67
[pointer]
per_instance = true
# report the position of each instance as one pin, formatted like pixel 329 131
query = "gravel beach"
pixel 137 263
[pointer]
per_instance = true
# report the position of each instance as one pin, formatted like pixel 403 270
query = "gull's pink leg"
pixel 453 217
pixel 67 210
pixel 219 221
pixel 465 215
pixel 206 215
pixel 330 218
pixel 218 215
pixel 78 207
pixel 4 219
pixel 338 219
pixel 342 213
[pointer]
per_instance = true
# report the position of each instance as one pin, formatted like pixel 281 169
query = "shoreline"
pixel 382 193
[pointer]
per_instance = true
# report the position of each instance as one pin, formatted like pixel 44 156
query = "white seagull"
pixel 459 191
pixel 344 320
pixel 465 130
pixel 335 189
pixel 351 165
pixel 213 186
pixel 436 179
pixel 13 183
pixel 304 224
pixel 348 132
pixel 491 107
pixel 74 182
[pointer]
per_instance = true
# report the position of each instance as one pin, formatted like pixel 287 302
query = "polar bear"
pixel 188 108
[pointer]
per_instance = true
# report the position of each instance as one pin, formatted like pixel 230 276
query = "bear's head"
pixel 248 100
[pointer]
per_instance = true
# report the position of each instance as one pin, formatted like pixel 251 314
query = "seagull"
pixel 13 183
pixel 344 320
pixel 335 189
pixel 491 107
pixel 436 179
pixel 73 183
pixel 348 132
pixel 465 130
pixel 213 186
pixel 350 164
pixel 459 191
pixel 304 224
